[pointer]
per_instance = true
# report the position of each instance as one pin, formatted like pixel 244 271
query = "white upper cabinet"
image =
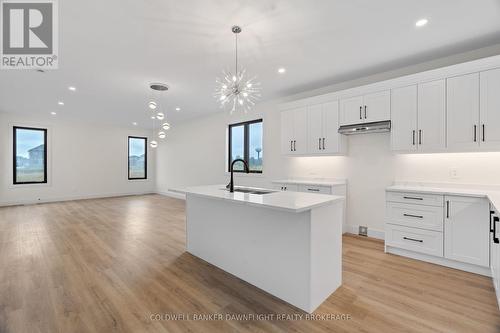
pixel 293 131
pixel 462 110
pixel 315 128
pixel 404 118
pixel 431 106
pixel 466 230
pixel 311 130
pixel 333 142
pixel 490 109
pixel 365 109
pixel 377 106
pixel 351 110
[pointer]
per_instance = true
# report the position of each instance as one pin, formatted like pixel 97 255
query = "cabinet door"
pixel 490 109
pixel 431 116
pixel 300 131
pixel 332 143
pixel 466 230
pixel 462 111
pixel 404 118
pixel 351 111
pixel 287 120
pixel 315 129
pixel 377 106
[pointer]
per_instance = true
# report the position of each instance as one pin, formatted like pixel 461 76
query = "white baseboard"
pixel 71 198
pixel 173 194
pixel 439 261
pixel 373 233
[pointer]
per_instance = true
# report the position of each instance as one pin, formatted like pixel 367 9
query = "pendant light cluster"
pixel 235 91
pixel 157 114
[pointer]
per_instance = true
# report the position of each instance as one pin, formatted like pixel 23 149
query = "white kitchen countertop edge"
pixel 310 182
pixel 276 200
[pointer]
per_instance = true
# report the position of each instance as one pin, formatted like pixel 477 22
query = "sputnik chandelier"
pixel 235 91
pixel 160 125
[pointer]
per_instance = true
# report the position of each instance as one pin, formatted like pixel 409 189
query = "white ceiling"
pixel 110 50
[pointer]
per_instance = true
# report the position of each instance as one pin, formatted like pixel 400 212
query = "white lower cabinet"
pixel 414 239
pixel 454 230
pixel 466 230
pixel 495 251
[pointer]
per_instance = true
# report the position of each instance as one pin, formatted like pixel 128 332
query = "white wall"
pixel 84 161
pixel 195 154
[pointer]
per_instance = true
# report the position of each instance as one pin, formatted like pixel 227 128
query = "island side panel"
pixel 326 251
pixel 266 247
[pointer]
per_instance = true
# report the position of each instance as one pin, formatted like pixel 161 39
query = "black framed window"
pixel 30 155
pixel 245 142
pixel 137 158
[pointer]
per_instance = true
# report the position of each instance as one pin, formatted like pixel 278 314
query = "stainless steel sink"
pixel 251 190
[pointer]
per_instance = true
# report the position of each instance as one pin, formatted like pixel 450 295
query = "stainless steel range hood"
pixel 375 127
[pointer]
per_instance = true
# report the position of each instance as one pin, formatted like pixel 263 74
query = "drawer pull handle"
pixel 413 239
pixel 411 215
pixel 313 189
pixel 413 198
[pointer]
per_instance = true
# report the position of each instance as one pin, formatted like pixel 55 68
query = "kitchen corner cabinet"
pixel 312 130
pixel 293 131
pixel 418 117
pixel 365 109
pixel 466 230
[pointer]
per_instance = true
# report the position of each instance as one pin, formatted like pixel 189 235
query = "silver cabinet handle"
pixel 483 133
pixel 413 137
pixel 319 143
pixel 313 189
pixel 294 145
pixel 360 110
pixel 419 137
pixel 365 111
pixel 447 209
pixel 323 143
pixel 413 198
pixel 291 145
pixel 475 133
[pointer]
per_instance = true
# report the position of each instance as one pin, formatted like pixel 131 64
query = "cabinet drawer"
pixel 315 189
pixel 416 198
pixel 413 239
pixel 416 216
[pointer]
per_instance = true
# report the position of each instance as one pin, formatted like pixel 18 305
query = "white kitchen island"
pixel 286 243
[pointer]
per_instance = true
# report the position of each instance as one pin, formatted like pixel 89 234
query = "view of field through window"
pixel 253 148
pixel 30 155
pixel 136 158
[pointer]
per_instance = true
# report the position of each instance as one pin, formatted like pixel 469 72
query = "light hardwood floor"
pixel 108 265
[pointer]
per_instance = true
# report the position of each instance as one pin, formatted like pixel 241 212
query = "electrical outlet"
pixel 454 173
pixel 363 231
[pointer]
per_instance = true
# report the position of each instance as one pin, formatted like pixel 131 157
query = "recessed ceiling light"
pixel 177 109
pixel 53 113
pixel 72 88
pixel 281 70
pixel 134 123
pixel 60 103
pixel 421 22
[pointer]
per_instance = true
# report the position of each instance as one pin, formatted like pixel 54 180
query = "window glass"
pixel 255 146
pixel 238 146
pixel 30 155
pixel 137 158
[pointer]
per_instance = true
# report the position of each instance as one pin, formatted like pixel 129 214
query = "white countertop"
pixel 296 202
pixel 319 182
pixel 492 194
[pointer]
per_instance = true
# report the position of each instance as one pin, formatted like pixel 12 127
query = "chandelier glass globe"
pixel 162 135
pixel 165 126
pixel 160 116
pixel 153 144
pixel 152 105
